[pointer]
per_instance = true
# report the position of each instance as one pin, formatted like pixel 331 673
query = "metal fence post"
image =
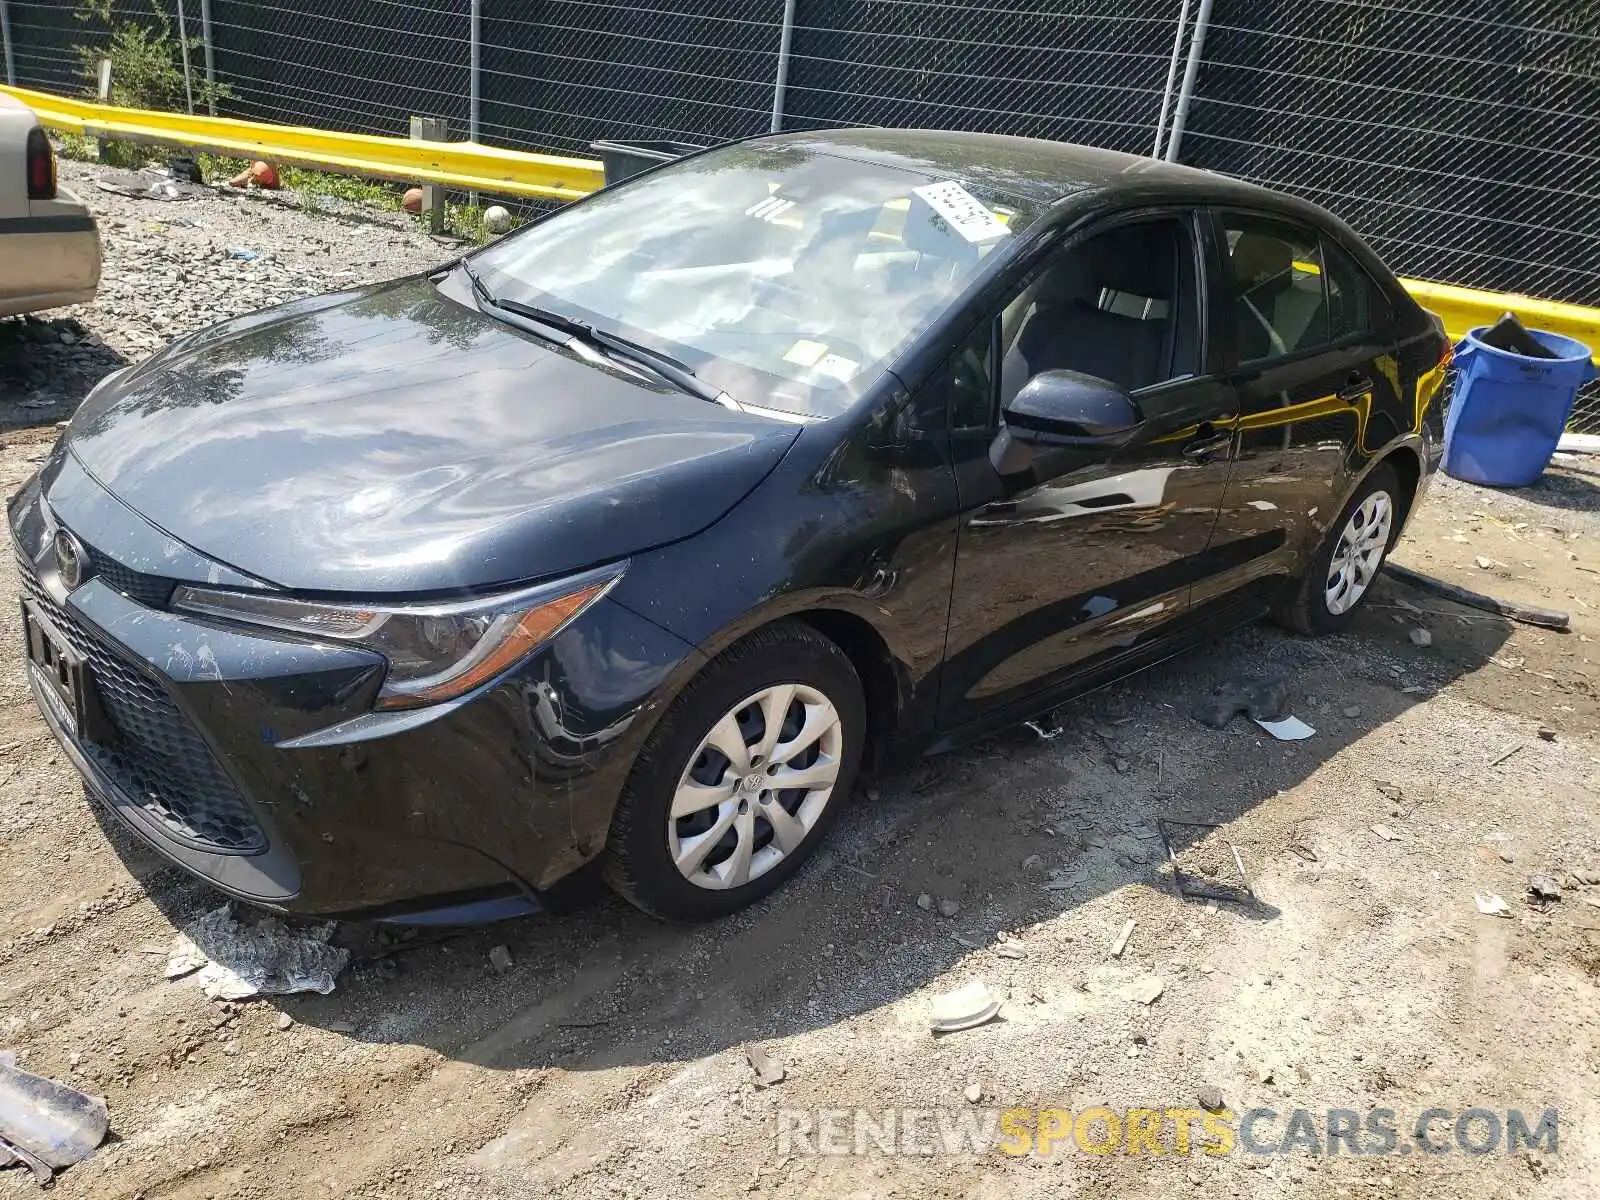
pixel 211 62
pixel 1191 72
pixel 780 86
pixel 183 46
pixel 475 85
pixel 1172 78
pixel 431 129
pixel 5 35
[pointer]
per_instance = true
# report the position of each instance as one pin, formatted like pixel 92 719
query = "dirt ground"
pixel 609 1058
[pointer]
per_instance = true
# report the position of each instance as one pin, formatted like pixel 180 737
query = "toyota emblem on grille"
pixel 72 560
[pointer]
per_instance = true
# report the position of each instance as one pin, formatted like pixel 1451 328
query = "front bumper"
pixel 501 796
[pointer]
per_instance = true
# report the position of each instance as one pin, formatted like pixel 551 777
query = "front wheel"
pixel 742 779
pixel 1347 563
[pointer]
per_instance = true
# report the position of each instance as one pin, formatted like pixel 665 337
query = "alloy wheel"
pixel 756 786
pixel 1359 554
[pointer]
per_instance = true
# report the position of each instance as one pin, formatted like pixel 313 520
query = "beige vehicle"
pixel 49 245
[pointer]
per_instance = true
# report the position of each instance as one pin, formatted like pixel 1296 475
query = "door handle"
pixel 1204 444
pixel 1357 386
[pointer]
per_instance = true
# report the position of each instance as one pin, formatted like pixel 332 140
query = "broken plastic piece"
pixel 965 1008
pixel 47 1124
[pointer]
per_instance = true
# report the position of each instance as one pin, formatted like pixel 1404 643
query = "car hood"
pixel 393 439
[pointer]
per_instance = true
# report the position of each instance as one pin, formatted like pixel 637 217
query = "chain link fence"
pixel 1462 140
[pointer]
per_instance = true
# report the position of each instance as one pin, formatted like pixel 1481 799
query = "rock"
pixel 1007 950
pixel 1542 889
pixel 1546 733
pixel 768 1070
pixel 974 1093
pixel 948 908
pixel 500 959
pixel 1123 766
pixel 1210 1097
pixel 1386 833
pixel 1032 863
pixel 1491 904
pixel 1420 637
pixel 285 1020
pixel 925 902
pixel 1121 984
pixel 1353 711
pixel 1588 875
pixel 1484 563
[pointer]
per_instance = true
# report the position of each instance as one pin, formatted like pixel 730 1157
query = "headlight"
pixel 435 651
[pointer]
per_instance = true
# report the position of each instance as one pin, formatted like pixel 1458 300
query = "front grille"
pixel 159 758
pixel 150 590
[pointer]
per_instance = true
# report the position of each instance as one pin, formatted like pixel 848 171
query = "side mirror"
pixel 1064 409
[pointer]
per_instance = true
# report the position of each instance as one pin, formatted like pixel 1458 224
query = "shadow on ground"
pixel 1016 830
pixel 47 367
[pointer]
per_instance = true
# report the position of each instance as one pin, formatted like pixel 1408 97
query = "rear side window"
pixel 1279 299
pixel 1350 293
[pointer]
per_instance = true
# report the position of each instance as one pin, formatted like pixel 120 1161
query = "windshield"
pixel 783 274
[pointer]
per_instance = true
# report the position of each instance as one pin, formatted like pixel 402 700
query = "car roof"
pixel 1041 171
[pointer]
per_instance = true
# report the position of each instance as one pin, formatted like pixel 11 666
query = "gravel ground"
pixel 608 1058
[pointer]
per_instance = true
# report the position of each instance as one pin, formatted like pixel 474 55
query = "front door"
pixel 1086 558
pixel 1311 366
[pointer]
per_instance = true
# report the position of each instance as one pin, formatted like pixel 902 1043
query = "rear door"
pixel 1310 362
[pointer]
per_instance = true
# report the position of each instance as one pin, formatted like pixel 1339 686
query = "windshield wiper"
pixel 663 365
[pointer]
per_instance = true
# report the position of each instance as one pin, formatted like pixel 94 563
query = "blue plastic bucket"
pixel 1508 410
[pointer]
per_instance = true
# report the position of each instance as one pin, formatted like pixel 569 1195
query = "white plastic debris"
pixel 1290 729
pixel 1492 905
pixel 237 961
pixel 966 1007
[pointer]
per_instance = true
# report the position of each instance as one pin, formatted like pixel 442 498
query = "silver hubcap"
pixel 756 786
pixel 1359 554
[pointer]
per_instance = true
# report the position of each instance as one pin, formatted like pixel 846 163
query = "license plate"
pixel 58 666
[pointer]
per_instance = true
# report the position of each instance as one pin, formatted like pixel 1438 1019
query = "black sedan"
pixel 632 539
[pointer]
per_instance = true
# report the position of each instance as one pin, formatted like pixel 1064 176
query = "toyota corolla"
pixel 632 539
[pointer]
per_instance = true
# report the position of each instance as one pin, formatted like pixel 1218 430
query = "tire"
pixel 1316 604
pixel 763 834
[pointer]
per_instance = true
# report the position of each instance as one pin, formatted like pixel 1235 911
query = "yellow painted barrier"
pixel 461 165
pixel 494 169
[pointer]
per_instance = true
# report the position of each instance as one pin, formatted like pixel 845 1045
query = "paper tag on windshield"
pixel 805 353
pixel 963 212
pixel 838 367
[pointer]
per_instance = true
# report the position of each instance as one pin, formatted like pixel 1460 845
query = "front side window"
pixel 1279 298
pixel 1120 306
pixel 787 275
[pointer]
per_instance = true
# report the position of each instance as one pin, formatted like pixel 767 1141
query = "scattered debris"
pixel 1300 845
pixel 1032 863
pixel 925 902
pixel 1010 950
pixel 1122 765
pixel 769 1071
pixel 243 253
pixel 1591 901
pixel 1264 698
pixel 1525 613
pixel 1290 729
pixel 1492 905
pixel 1121 985
pixel 1420 637
pixel 262 174
pixel 1064 879
pixel 1190 887
pixel 1389 791
pixel 1543 890
pixel 1121 944
pixel 1495 762
pixel 151 183
pixel 45 1125
pixel 500 959
pixel 238 962
pixel 974 1093
pixel 1484 563
pixel 965 1008
pixel 1353 711
pixel 1386 833
pixel 1045 735
pixel 1546 734
pixel 948 908
pixel 1210 1097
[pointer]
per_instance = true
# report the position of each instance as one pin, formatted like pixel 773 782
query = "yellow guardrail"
pixel 472 167
pixel 463 165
